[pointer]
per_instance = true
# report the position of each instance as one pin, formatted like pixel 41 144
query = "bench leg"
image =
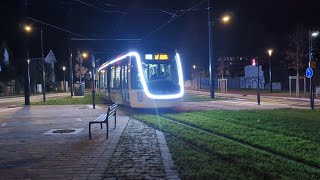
pixel 90 131
pixel 101 125
pixel 107 129
pixel 115 120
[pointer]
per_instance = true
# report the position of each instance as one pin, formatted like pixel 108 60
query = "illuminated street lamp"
pixel 226 19
pixel 270 71
pixel 194 66
pixel 29 29
pixel 315 34
pixel 64 78
pixel 85 55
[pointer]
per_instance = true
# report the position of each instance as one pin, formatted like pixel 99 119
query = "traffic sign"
pixel 309 72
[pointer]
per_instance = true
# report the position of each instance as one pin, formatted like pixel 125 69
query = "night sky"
pixel 256 25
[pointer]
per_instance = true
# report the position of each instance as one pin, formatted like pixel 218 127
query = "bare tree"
pixel 296 54
pixel 80 70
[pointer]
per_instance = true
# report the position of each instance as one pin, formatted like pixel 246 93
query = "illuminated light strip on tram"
pixel 142 78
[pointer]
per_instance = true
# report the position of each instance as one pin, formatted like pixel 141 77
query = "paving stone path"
pixel 139 156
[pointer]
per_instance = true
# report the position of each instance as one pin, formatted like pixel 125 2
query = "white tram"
pixel 144 81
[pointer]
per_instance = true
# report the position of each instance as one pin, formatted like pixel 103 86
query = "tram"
pixel 144 80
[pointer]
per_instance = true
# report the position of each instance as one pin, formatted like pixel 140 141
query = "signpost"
pixel 309 74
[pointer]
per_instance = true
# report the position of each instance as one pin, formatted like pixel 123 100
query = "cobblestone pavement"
pixel 27 153
pixel 139 156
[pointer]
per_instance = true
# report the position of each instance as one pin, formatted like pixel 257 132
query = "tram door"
pixel 124 84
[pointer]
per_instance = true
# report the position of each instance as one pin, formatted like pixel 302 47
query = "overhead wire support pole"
pixel 43 69
pixel 211 60
pixel 310 58
pixel 70 68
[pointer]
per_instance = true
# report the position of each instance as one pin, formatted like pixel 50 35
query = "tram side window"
pixel 135 79
pixel 115 77
pixel 125 77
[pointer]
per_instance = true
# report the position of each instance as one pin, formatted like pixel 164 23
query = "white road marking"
pixel 78 119
pixel 4 124
pixel 7 109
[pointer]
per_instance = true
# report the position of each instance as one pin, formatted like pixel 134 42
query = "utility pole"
pixel 211 60
pixel 70 68
pixel 43 71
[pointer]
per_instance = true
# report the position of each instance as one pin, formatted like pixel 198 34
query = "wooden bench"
pixel 104 118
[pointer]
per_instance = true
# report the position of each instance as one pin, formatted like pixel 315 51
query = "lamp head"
pixel 315 33
pixel 270 52
pixel 85 55
pixel 27 28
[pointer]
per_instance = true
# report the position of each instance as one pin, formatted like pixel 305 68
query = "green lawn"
pixel 87 99
pixel 199 98
pixel 256 144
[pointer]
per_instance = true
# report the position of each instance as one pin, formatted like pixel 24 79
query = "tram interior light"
pixel 142 78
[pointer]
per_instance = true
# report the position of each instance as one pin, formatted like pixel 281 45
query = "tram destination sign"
pixel 159 56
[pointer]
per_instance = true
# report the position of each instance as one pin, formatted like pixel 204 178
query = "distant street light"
pixel 270 71
pixel 194 66
pixel 315 34
pixel 29 29
pixel 64 78
pixel 225 19
pixel 85 55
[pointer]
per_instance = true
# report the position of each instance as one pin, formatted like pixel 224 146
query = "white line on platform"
pixel 78 119
pixel 8 109
pixel 4 124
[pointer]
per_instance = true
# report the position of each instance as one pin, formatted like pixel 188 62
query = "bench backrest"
pixel 111 110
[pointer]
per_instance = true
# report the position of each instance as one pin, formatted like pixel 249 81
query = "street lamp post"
pixel 93 80
pixel 270 70
pixel 311 35
pixel 225 20
pixel 64 78
pixel 92 75
pixel 27 93
pixel 29 29
pixel 258 85
pixel 211 61
pixel 29 75
pixel 43 71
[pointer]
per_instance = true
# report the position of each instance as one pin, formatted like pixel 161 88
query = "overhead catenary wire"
pixel 56 27
pixel 106 4
pixel 172 19
pixel 100 9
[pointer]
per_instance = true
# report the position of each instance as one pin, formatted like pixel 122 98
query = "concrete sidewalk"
pixel 29 151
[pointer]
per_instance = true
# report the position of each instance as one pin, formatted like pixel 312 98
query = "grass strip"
pixel 291 147
pixel 218 157
pixel 297 123
pixel 199 98
pixel 87 99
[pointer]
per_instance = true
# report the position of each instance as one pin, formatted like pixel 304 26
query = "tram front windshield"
pixel 161 77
